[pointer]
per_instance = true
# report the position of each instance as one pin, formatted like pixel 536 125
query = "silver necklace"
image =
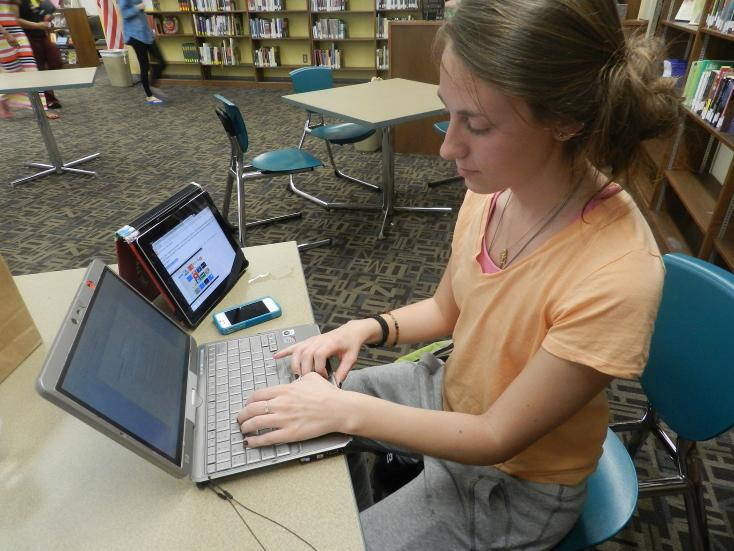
pixel 504 259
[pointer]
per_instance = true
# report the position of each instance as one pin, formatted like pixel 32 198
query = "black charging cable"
pixel 233 502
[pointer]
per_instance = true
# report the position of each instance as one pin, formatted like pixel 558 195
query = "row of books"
pixel 213 5
pixel 328 5
pixel 266 57
pixel 382 23
pixel 190 52
pixel 383 57
pixel 331 57
pixel 708 92
pixel 265 5
pixel 217 25
pixel 269 28
pixel 225 53
pixel 396 4
pixel 329 28
pixel 721 16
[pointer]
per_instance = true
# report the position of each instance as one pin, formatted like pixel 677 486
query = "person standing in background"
pixel 35 20
pixel 138 34
pixel 16 56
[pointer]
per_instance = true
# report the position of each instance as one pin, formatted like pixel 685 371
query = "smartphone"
pixel 246 315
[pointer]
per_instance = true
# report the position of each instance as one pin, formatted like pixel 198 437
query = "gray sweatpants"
pixel 450 506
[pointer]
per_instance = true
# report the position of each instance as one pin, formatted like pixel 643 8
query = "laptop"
pixel 131 372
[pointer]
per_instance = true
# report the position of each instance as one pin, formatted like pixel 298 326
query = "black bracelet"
pixel 385 330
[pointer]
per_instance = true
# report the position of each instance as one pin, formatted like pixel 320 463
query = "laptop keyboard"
pixel 237 368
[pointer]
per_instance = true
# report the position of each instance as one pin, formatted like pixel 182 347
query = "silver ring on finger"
pixel 267 407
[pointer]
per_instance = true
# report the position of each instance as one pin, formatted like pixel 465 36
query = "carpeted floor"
pixel 147 152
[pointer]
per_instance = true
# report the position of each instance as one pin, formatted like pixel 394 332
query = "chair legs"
pixel 688 481
pixel 234 176
pixel 337 172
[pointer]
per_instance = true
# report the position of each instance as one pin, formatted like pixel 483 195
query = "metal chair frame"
pixel 239 172
pixel 687 386
pixel 687 480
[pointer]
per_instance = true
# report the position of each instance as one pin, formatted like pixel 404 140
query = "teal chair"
pixel 688 380
pixel 611 498
pixel 311 79
pixel 266 165
pixel 442 127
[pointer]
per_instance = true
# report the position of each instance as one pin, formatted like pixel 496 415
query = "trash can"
pixel 117 67
pixel 372 143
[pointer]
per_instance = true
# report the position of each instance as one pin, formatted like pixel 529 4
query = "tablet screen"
pixel 193 255
pixel 197 256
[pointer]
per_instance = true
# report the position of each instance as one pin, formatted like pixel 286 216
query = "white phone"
pixel 246 315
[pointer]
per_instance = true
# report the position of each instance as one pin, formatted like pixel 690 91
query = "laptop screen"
pixel 196 255
pixel 129 364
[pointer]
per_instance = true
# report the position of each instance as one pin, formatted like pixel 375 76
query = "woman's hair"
pixel 570 62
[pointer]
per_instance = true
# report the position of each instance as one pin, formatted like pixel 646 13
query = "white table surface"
pixel 38 81
pixel 375 104
pixel 64 486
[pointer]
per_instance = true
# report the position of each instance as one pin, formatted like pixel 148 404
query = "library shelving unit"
pixel 258 42
pixel 687 195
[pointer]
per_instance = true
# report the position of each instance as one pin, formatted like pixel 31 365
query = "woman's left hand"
pixel 306 408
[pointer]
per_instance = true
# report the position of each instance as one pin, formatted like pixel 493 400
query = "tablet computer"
pixel 193 255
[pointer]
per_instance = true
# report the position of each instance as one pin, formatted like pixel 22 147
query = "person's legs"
pixel 53 61
pixel 454 506
pixel 450 505
pixel 158 69
pixel 141 52
pixel 413 384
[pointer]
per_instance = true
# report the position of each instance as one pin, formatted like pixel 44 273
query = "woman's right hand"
pixel 343 342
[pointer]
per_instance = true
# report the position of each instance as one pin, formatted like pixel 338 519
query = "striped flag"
pixel 111 24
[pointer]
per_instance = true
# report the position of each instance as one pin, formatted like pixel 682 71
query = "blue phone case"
pixel 249 322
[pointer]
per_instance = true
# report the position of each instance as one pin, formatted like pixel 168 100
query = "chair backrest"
pixel 690 374
pixel 611 498
pixel 310 79
pixel 238 123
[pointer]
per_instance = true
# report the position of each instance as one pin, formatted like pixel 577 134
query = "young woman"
pixel 138 34
pixel 16 56
pixel 551 290
pixel 35 19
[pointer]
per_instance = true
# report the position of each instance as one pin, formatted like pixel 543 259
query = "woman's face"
pixel 494 139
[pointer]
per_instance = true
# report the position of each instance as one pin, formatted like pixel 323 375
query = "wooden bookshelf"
pixel 689 210
pixel 359 47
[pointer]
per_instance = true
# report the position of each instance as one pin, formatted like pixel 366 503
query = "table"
pixel 379 104
pixel 65 486
pixel 34 82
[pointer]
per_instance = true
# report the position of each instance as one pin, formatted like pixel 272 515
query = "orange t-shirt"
pixel 589 295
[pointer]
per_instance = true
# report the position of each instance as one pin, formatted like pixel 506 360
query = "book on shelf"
pixel 709 92
pixel 331 57
pixel 169 24
pixel 217 25
pixel 265 5
pixel 212 5
pixel 382 24
pixel 221 53
pixel 269 28
pixel 190 52
pixel 266 57
pixel 685 11
pixel 396 4
pixel 382 57
pixel 697 12
pixel 329 28
pixel 328 5
pixel 155 24
pixel 721 16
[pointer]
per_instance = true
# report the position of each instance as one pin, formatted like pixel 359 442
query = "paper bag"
pixel 18 334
